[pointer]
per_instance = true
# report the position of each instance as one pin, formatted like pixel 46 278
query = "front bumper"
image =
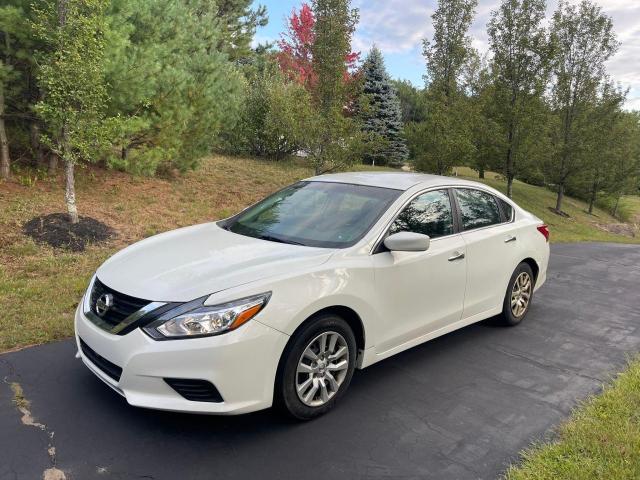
pixel 241 364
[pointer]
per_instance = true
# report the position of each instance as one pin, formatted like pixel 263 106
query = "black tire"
pixel 285 395
pixel 507 317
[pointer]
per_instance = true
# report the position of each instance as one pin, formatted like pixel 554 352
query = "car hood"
pixel 191 262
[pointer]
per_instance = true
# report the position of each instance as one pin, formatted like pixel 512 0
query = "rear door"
pixel 491 247
pixel 420 292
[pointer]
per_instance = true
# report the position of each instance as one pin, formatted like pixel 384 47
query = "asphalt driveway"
pixel 459 407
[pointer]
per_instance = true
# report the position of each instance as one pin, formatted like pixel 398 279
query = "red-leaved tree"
pixel 295 57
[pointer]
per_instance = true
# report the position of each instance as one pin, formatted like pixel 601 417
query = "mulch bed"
pixel 56 230
pixel 562 214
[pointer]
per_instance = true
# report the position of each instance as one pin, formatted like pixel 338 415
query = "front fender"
pixel 296 298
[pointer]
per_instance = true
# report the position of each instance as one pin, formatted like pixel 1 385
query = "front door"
pixel 421 292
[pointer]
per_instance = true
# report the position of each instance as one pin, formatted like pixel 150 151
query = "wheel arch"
pixel 347 313
pixel 535 268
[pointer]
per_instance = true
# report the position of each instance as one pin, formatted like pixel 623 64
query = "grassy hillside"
pixel 40 286
pixel 579 226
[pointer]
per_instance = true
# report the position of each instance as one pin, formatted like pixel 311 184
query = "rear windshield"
pixel 315 214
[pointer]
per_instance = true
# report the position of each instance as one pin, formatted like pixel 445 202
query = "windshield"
pixel 315 214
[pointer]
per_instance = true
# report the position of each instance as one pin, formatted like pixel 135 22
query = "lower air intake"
pixel 195 390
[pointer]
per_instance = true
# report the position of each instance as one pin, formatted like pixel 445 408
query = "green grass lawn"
pixel 601 440
pixel 579 226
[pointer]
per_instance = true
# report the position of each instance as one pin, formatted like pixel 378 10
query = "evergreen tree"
pixel 170 85
pixel 380 114
pixel 238 22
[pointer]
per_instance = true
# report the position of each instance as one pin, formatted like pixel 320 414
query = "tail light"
pixel 544 230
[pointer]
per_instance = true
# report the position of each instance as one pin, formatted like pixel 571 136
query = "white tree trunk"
pixel 70 186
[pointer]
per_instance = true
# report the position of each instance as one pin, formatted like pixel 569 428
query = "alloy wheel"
pixel 322 368
pixel 521 294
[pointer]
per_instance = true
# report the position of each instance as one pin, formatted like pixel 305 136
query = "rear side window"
pixel 477 208
pixel 507 210
pixel 429 214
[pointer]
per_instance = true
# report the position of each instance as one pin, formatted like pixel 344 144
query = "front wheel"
pixel 517 300
pixel 317 367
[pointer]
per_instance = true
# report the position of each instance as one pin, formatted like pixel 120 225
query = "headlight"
pixel 212 320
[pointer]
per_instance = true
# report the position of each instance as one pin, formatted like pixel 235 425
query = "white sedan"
pixel 281 302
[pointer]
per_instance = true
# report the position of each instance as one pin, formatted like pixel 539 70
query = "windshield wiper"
pixel 271 238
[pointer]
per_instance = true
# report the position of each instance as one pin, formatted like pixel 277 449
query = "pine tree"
pixel 381 115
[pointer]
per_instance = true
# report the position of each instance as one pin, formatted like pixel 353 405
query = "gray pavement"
pixel 459 407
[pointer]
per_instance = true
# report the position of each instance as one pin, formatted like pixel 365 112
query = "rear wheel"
pixel 517 300
pixel 317 367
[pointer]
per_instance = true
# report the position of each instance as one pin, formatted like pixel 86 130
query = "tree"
pixel 380 114
pixel 520 59
pixel 445 138
pixel 336 136
pixel 17 83
pixel 605 141
pixel 238 23
pixel 583 41
pixel 411 101
pixel 5 161
pixel 171 87
pixel 450 48
pixel 274 115
pixel 71 77
pixel 296 49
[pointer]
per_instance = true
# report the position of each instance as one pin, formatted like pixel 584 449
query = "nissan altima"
pixel 279 304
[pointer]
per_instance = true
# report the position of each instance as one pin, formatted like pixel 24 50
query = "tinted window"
pixel 477 208
pixel 429 214
pixel 318 214
pixel 507 210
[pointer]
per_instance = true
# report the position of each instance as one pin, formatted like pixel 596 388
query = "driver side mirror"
pixel 407 242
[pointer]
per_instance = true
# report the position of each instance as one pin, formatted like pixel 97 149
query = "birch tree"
pixel 72 80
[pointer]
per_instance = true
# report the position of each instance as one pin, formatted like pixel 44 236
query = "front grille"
pixel 195 390
pixel 111 369
pixel 123 305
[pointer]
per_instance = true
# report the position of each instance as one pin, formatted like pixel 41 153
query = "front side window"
pixel 315 214
pixel 429 214
pixel 477 208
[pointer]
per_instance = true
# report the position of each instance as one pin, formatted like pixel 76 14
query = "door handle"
pixel 510 238
pixel 456 256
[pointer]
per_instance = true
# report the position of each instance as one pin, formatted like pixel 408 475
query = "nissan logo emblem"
pixel 104 303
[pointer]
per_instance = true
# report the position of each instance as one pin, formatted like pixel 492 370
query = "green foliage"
pixel 170 84
pixel 334 140
pixel 70 75
pixel 411 101
pixel 583 40
pixel 445 138
pixel 520 59
pixel 379 111
pixel 274 116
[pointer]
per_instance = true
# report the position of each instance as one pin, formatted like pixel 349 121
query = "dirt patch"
pixel 56 230
pixel 626 229
pixel 562 214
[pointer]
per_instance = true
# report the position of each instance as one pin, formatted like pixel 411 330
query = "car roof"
pixel 395 180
